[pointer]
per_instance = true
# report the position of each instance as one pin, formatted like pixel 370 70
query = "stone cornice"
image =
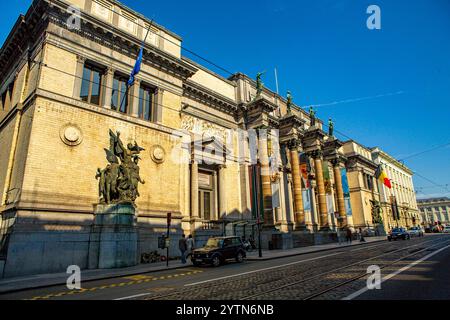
pixel 24 33
pixel 262 103
pixel 93 29
pixel 204 95
pixel 293 120
pixel 109 36
pixel 355 158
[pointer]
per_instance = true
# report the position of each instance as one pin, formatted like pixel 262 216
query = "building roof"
pixel 390 159
pixel 433 200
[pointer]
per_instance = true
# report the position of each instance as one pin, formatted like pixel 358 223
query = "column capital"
pixel 316 154
pixel 338 160
pixel 110 70
pixel 81 59
pixel 294 145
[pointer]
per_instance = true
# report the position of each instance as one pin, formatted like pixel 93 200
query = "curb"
pixel 89 279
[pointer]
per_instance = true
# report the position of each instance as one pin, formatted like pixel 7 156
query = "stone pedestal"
pixel 114 237
pixel 325 237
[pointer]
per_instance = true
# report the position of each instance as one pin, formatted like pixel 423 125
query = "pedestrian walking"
pixel 349 236
pixel 182 245
pixel 361 236
pixel 190 244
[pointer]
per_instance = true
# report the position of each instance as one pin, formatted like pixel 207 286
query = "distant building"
pixel 434 210
pixel 402 192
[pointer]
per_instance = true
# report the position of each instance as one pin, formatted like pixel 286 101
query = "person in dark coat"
pixel 349 236
pixel 361 235
pixel 182 245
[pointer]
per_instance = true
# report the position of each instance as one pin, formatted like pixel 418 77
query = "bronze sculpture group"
pixel 119 181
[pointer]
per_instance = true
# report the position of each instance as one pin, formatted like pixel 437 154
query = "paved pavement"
pixel 332 274
pixel 276 254
pixel 44 280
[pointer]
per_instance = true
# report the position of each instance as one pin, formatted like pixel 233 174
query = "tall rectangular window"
pixel 91 85
pixel 146 103
pixel 120 99
pixel 206 195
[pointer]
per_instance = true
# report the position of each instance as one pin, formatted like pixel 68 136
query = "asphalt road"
pixel 330 275
pixel 429 280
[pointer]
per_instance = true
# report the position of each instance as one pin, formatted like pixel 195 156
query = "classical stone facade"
pixel 364 191
pixel 63 89
pixel 402 192
pixel 434 211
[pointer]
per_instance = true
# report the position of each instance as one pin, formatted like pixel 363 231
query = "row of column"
pixel 299 213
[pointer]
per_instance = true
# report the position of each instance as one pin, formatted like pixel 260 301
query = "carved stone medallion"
pixel 158 154
pixel 71 135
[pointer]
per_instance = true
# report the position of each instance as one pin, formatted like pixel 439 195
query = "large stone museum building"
pixel 221 154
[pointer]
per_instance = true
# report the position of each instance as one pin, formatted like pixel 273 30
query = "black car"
pixel 218 250
pixel 398 233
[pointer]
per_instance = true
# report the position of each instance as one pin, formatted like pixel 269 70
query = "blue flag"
pixel 137 67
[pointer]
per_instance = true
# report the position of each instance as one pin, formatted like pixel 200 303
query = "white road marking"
pixel 265 269
pixel 133 297
pixel 365 289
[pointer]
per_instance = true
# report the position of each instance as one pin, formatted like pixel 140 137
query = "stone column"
pixel 78 76
pixel 215 214
pixel 194 190
pixel 134 98
pixel 222 192
pixel 323 211
pixel 298 197
pixel 158 106
pixel 107 88
pixel 266 181
pixel 340 194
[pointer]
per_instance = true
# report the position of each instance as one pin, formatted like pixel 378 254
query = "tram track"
pixel 220 288
pixel 352 279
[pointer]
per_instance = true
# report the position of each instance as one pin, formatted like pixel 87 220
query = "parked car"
pixel 415 232
pixel 446 229
pixel 398 233
pixel 218 250
pixel 437 229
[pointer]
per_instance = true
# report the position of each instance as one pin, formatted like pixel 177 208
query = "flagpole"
pixel 142 46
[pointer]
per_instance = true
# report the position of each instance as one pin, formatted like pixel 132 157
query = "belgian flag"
pixel 382 176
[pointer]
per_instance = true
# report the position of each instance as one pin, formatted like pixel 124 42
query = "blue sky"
pixel 324 53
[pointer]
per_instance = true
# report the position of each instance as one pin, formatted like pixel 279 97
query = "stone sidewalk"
pixel 276 254
pixel 45 280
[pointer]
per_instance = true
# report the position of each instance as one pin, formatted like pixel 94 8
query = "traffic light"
pixel 162 242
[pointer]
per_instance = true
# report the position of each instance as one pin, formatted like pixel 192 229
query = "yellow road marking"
pixel 139 279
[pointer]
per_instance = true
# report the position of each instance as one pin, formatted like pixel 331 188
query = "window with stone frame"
pixel 120 94
pixel 91 84
pixel 206 195
pixel 147 102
